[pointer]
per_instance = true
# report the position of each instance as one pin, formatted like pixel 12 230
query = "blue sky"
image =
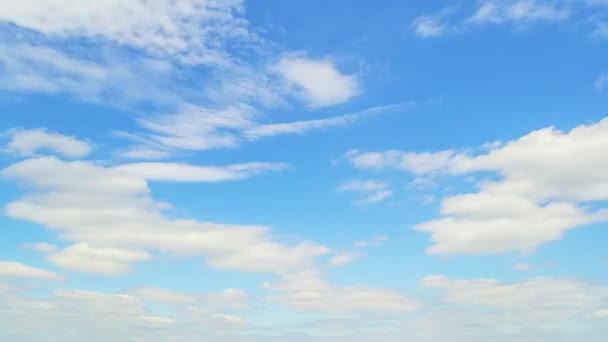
pixel 234 170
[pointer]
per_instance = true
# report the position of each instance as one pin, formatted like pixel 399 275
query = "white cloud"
pixel 363 186
pixel 155 294
pixel 228 299
pixel 28 142
pixel 376 191
pixel 376 197
pixel 19 270
pixel 103 261
pixel 194 173
pixel 429 27
pixel 87 203
pixel 197 128
pixel 107 79
pixel 483 223
pixel 189 29
pixel 372 160
pixel 307 292
pixel 319 81
pixel 344 259
pixel 41 247
pixel 518 12
pixel 418 163
pixel 546 178
pixel 561 298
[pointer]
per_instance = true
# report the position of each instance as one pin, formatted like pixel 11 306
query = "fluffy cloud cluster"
pixel 549 182
pixel 110 216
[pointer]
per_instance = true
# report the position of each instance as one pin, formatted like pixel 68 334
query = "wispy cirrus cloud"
pixel 156 63
pixel 513 13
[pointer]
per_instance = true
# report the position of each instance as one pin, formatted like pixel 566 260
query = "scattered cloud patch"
pixel 18 270
pixel 29 142
pixel 100 206
pixel 82 257
pixel 377 191
pixel 319 82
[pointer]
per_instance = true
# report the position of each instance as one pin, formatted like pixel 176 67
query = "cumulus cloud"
pixel 545 180
pixel 28 142
pixel 319 82
pixel 102 261
pixel 113 212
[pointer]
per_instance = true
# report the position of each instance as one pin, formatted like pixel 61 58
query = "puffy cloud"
pixel 103 261
pixel 482 223
pixel 28 142
pixel 319 81
pixel 545 181
pixel 19 270
pixel 307 292
pixel 107 208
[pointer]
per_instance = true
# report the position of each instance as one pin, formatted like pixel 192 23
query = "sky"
pixel 232 170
